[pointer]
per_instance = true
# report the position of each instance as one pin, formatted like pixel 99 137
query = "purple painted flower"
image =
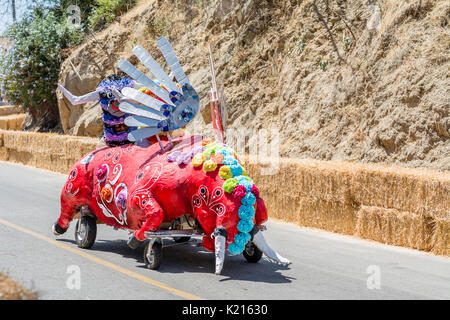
pixel 121 199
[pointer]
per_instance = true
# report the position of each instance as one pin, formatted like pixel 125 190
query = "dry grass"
pixel 11 290
pixel 12 122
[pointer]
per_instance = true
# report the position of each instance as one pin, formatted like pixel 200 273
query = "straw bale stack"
pixel 393 205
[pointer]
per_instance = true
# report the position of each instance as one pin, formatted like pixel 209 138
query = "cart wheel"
pixel 251 253
pixel 181 239
pixel 85 232
pixel 152 255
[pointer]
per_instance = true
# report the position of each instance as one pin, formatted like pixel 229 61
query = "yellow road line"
pixel 105 263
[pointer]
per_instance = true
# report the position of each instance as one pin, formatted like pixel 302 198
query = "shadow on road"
pixel 192 258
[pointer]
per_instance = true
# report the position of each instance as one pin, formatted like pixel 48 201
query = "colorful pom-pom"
pixel 173 156
pixel 206 142
pixel 245 182
pixel 184 158
pixel 241 239
pixel 196 150
pixel 249 199
pixel 230 184
pixel 209 165
pixel 217 158
pixel 225 172
pixel 225 152
pixel 207 153
pixel 198 159
pixel 235 249
pixel 229 160
pixel 255 191
pixel 246 212
pixel 239 192
pixel 236 170
pixel 245 225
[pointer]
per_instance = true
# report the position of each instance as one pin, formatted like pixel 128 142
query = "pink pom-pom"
pixel 239 192
pixel 255 191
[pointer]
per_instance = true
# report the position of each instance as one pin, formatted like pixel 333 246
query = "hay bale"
pixel 440 240
pixel 12 122
pixel 394 227
pixel 4 154
pixel 8 110
pixel 46 150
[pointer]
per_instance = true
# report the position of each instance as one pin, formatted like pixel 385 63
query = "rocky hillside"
pixel 340 80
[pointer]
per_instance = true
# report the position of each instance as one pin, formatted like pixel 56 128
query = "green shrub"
pixel 29 70
pixel 105 11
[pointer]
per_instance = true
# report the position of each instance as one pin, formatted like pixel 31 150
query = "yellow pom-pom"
pixel 198 159
pixel 244 172
pixel 225 172
pixel 209 165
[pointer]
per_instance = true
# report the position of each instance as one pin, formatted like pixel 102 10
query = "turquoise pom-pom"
pixel 249 199
pixel 234 249
pixel 230 161
pixel 225 152
pixel 246 212
pixel 241 239
pixel 243 181
pixel 236 170
pixel 245 226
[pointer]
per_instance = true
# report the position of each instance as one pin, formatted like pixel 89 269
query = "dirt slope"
pixel 340 80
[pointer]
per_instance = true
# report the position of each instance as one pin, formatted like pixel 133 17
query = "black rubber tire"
pixel 156 253
pixel 86 239
pixel 251 253
pixel 181 239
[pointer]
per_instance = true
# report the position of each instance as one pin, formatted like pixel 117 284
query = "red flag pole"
pixel 214 102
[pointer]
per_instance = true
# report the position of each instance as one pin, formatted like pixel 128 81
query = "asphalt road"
pixel 324 265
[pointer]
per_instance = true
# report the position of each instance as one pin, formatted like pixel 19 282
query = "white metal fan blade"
pixel 151 64
pixel 140 134
pixel 172 60
pixel 136 121
pixel 141 111
pixel 139 76
pixel 143 98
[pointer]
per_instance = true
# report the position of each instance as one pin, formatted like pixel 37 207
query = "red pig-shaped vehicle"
pixel 147 189
pixel 187 188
